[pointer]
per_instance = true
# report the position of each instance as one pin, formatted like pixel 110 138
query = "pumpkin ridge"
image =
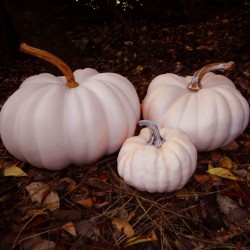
pixel 169 162
pixel 123 101
pixel 186 149
pixel 180 171
pixel 164 108
pixel 203 130
pixel 226 110
pixel 239 103
pixel 185 97
pixel 82 106
pixel 42 91
pixel 46 98
pixel 133 171
pixel 125 97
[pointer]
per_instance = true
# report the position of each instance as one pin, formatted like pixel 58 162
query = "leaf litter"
pixel 90 207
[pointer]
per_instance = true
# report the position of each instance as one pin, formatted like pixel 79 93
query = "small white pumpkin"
pixel 52 122
pixel 207 107
pixel 157 160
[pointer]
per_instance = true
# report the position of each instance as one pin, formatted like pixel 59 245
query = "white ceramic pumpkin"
pixel 52 122
pixel 157 160
pixel 207 107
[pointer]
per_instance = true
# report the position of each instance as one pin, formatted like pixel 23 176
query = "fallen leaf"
pixel 70 228
pixel 216 156
pixel 123 226
pixel 214 178
pixel 36 191
pixel 43 245
pixel 224 173
pixel 14 171
pixel 30 239
pixel 98 183
pixel 138 69
pixel 86 227
pixel 201 178
pixel 225 203
pixel 239 216
pixel 87 203
pixel 65 184
pixel 230 147
pixel 225 162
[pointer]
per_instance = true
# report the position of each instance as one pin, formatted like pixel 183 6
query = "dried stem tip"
pixel 195 84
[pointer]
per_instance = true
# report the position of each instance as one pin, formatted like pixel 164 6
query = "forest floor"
pixel 94 208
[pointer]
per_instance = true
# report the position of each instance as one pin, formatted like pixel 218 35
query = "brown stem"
pixel 65 69
pixel 195 84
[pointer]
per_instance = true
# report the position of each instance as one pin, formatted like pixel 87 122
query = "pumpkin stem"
pixel 195 84
pixel 155 139
pixel 65 69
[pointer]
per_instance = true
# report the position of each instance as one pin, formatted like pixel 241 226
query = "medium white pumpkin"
pixel 207 107
pixel 157 160
pixel 52 122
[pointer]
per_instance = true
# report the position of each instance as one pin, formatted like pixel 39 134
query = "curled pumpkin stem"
pixel 62 66
pixel 195 84
pixel 155 139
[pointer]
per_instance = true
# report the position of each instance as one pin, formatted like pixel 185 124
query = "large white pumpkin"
pixel 157 160
pixel 207 107
pixel 51 125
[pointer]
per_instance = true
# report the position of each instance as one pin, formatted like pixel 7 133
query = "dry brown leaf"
pixel 36 191
pixel 123 226
pixel 65 184
pixel 225 162
pixel 43 245
pixel 230 147
pixel 239 216
pixel 98 183
pixel 14 171
pixel 201 178
pixel 86 227
pixel 216 156
pixel 70 228
pixel 225 203
pixel 87 203
pixel 29 240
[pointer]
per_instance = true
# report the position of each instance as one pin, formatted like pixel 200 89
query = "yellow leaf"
pixel 215 178
pixel 14 171
pixel 226 162
pixel 124 226
pixel 223 172
pixel 138 69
